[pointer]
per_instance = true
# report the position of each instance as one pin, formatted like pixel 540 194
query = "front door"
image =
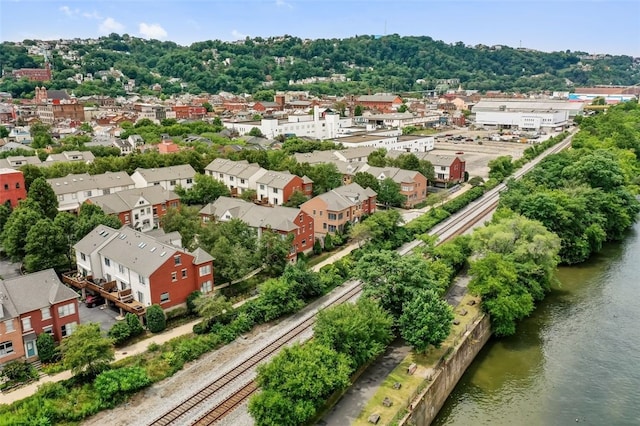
pixel 30 348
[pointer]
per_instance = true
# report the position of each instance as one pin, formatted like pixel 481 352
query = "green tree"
pixel 41 192
pixel 133 322
pixel 86 351
pixel 361 331
pixel 47 351
pixel 119 332
pixel 4 132
pixel 249 195
pixel 426 320
pixel 389 193
pixel 300 378
pixel 212 306
pixel 357 111
pixel 255 131
pixel 207 106
pixel 156 319
pixel 296 199
pixel 31 173
pixel 14 234
pixel 325 177
pixel 367 180
pixel 5 212
pixel 306 283
pixel 205 190
pixel 46 247
pixel 501 167
pixel 273 251
pixel 383 226
pixel 278 297
pixel 185 220
pixel 378 158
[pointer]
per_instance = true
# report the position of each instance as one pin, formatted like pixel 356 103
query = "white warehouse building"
pixel 524 114
pixel 312 126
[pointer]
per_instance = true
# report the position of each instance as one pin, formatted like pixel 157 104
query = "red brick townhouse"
pixel 140 208
pixel 283 220
pixel 155 272
pixel 12 188
pixel 30 305
pixel 332 210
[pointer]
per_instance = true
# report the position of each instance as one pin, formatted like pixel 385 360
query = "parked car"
pixel 93 300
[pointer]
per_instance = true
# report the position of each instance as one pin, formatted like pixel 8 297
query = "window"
pixel 155 211
pixel 164 297
pixel 332 228
pixel 172 182
pixel 121 269
pixel 68 329
pixel 230 178
pixel 206 287
pixel 261 186
pixel 18 185
pixel 275 190
pixel 140 297
pixel 83 256
pixel 107 261
pixel 60 197
pixel 184 273
pixel 332 216
pixel 26 323
pixel 174 276
pixel 88 193
pixel 68 309
pixel 177 260
pixel 6 348
pixel 221 176
pixel 126 218
pixel 189 180
pixel 74 196
pixel 141 279
pixel 6 186
pixel 205 270
pixel 164 206
pixel 48 329
pixel 46 313
pixel 324 225
pixel 8 326
pixel 241 180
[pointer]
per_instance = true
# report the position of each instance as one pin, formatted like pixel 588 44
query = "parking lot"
pixel 103 315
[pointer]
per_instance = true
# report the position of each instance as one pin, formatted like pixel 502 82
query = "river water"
pixel 576 360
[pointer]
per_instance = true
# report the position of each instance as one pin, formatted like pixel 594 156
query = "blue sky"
pixel 595 26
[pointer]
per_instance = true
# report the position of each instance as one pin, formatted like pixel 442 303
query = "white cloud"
pixel 109 26
pixel 92 15
pixel 282 3
pixel 68 11
pixel 152 31
pixel 238 35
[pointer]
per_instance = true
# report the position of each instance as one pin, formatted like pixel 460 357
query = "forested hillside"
pixel 390 63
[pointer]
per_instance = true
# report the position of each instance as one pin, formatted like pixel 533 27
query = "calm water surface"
pixel 576 360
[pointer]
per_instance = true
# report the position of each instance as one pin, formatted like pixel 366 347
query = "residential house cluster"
pixel 153 271
pixel 30 305
pixel 271 187
pixel 285 221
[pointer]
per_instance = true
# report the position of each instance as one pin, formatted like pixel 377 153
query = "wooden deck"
pixel 109 290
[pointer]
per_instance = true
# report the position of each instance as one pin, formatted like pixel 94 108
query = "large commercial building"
pixel 525 114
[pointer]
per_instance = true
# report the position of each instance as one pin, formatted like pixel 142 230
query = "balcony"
pixel 123 299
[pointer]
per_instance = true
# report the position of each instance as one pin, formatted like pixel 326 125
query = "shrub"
pixel 135 327
pixel 328 242
pixel 120 382
pixel 317 247
pixel 19 371
pixel 191 301
pixel 153 347
pixel 177 313
pixel 156 320
pixel 47 350
pixel 119 332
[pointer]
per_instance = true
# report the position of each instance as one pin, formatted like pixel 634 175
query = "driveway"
pixel 101 314
pixel 9 269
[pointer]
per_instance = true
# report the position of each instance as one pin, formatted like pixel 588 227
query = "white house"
pixel 238 175
pixel 73 190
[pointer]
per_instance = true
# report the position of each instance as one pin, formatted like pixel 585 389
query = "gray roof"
pixel 37 290
pixel 86 156
pixel 19 161
pixel 241 169
pixel 346 196
pixel 362 151
pixel 275 179
pixel 137 251
pixel 315 157
pixel 184 171
pixel 96 238
pixel 398 175
pixel 123 201
pixel 277 217
pixel 200 256
pixel 165 237
pixel 15 145
pixel 84 181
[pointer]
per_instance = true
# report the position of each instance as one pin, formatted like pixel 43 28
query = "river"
pixel 576 360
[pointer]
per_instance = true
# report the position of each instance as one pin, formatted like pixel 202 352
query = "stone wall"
pixel 445 377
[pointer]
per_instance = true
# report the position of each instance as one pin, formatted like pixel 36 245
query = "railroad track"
pixel 455 225
pixel 189 408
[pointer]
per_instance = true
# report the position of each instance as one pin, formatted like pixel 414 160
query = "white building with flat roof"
pixel 525 114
